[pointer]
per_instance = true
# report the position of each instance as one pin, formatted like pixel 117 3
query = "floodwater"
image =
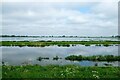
pixel 54 39
pixel 29 55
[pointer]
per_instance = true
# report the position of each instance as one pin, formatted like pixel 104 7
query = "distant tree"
pixel 63 36
pixel 12 35
pixel 112 36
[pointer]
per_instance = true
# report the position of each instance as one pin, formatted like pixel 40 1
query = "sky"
pixel 60 18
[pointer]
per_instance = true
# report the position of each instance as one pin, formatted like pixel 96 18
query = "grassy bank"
pixel 55 71
pixel 93 58
pixel 59 43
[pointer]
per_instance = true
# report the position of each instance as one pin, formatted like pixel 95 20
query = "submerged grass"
pixel 55 71
pixel 59 43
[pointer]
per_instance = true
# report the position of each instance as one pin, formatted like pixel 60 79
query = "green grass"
pixel 93 58
pixel 55 71
pixel 59 43
pixel 40 58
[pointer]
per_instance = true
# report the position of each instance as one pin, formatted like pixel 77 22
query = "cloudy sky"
pixel 60 18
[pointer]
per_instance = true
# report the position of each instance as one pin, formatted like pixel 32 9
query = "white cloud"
pixel 60 0
pixel 90 19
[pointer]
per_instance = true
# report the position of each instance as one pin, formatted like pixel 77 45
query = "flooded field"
pixel 54 39
pixel 29 55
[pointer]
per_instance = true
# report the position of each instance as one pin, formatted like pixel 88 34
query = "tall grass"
pixel 55 71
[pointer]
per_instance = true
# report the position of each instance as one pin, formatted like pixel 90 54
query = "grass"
pixel 93 58
pixel 47 58
pixel 59 43
pixel 40 58
pixel 56 58
pixel 55 71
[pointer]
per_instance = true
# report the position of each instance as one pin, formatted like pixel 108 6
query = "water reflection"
pixel 29 55
pixel 53 39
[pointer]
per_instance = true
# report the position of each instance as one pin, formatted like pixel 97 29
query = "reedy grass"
pixel 56 71
pixel 59 43
pixel 93 58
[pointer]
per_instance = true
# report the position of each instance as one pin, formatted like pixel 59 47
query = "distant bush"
pixel 87 44
pixel 106 45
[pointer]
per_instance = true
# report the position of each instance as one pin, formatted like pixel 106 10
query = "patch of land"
pixel 93 58
pixel 59 43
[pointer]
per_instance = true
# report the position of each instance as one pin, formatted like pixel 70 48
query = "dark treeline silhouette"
pixel 16 36
pixel 61 36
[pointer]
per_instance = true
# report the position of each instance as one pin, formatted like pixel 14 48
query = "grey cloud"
pixel 59 18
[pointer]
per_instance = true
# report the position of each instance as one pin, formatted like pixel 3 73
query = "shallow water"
pixel 29 55
pixel 53 39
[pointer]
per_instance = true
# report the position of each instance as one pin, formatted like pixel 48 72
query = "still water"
pixel 29 55
pixel 53 39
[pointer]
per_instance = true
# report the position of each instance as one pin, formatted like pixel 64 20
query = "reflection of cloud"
pixel 60 18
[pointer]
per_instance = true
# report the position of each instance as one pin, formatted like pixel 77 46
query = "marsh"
pixel 21 55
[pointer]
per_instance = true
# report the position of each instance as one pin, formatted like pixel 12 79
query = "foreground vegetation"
pixel 59 43
pixel 55 71
pixel 93 58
